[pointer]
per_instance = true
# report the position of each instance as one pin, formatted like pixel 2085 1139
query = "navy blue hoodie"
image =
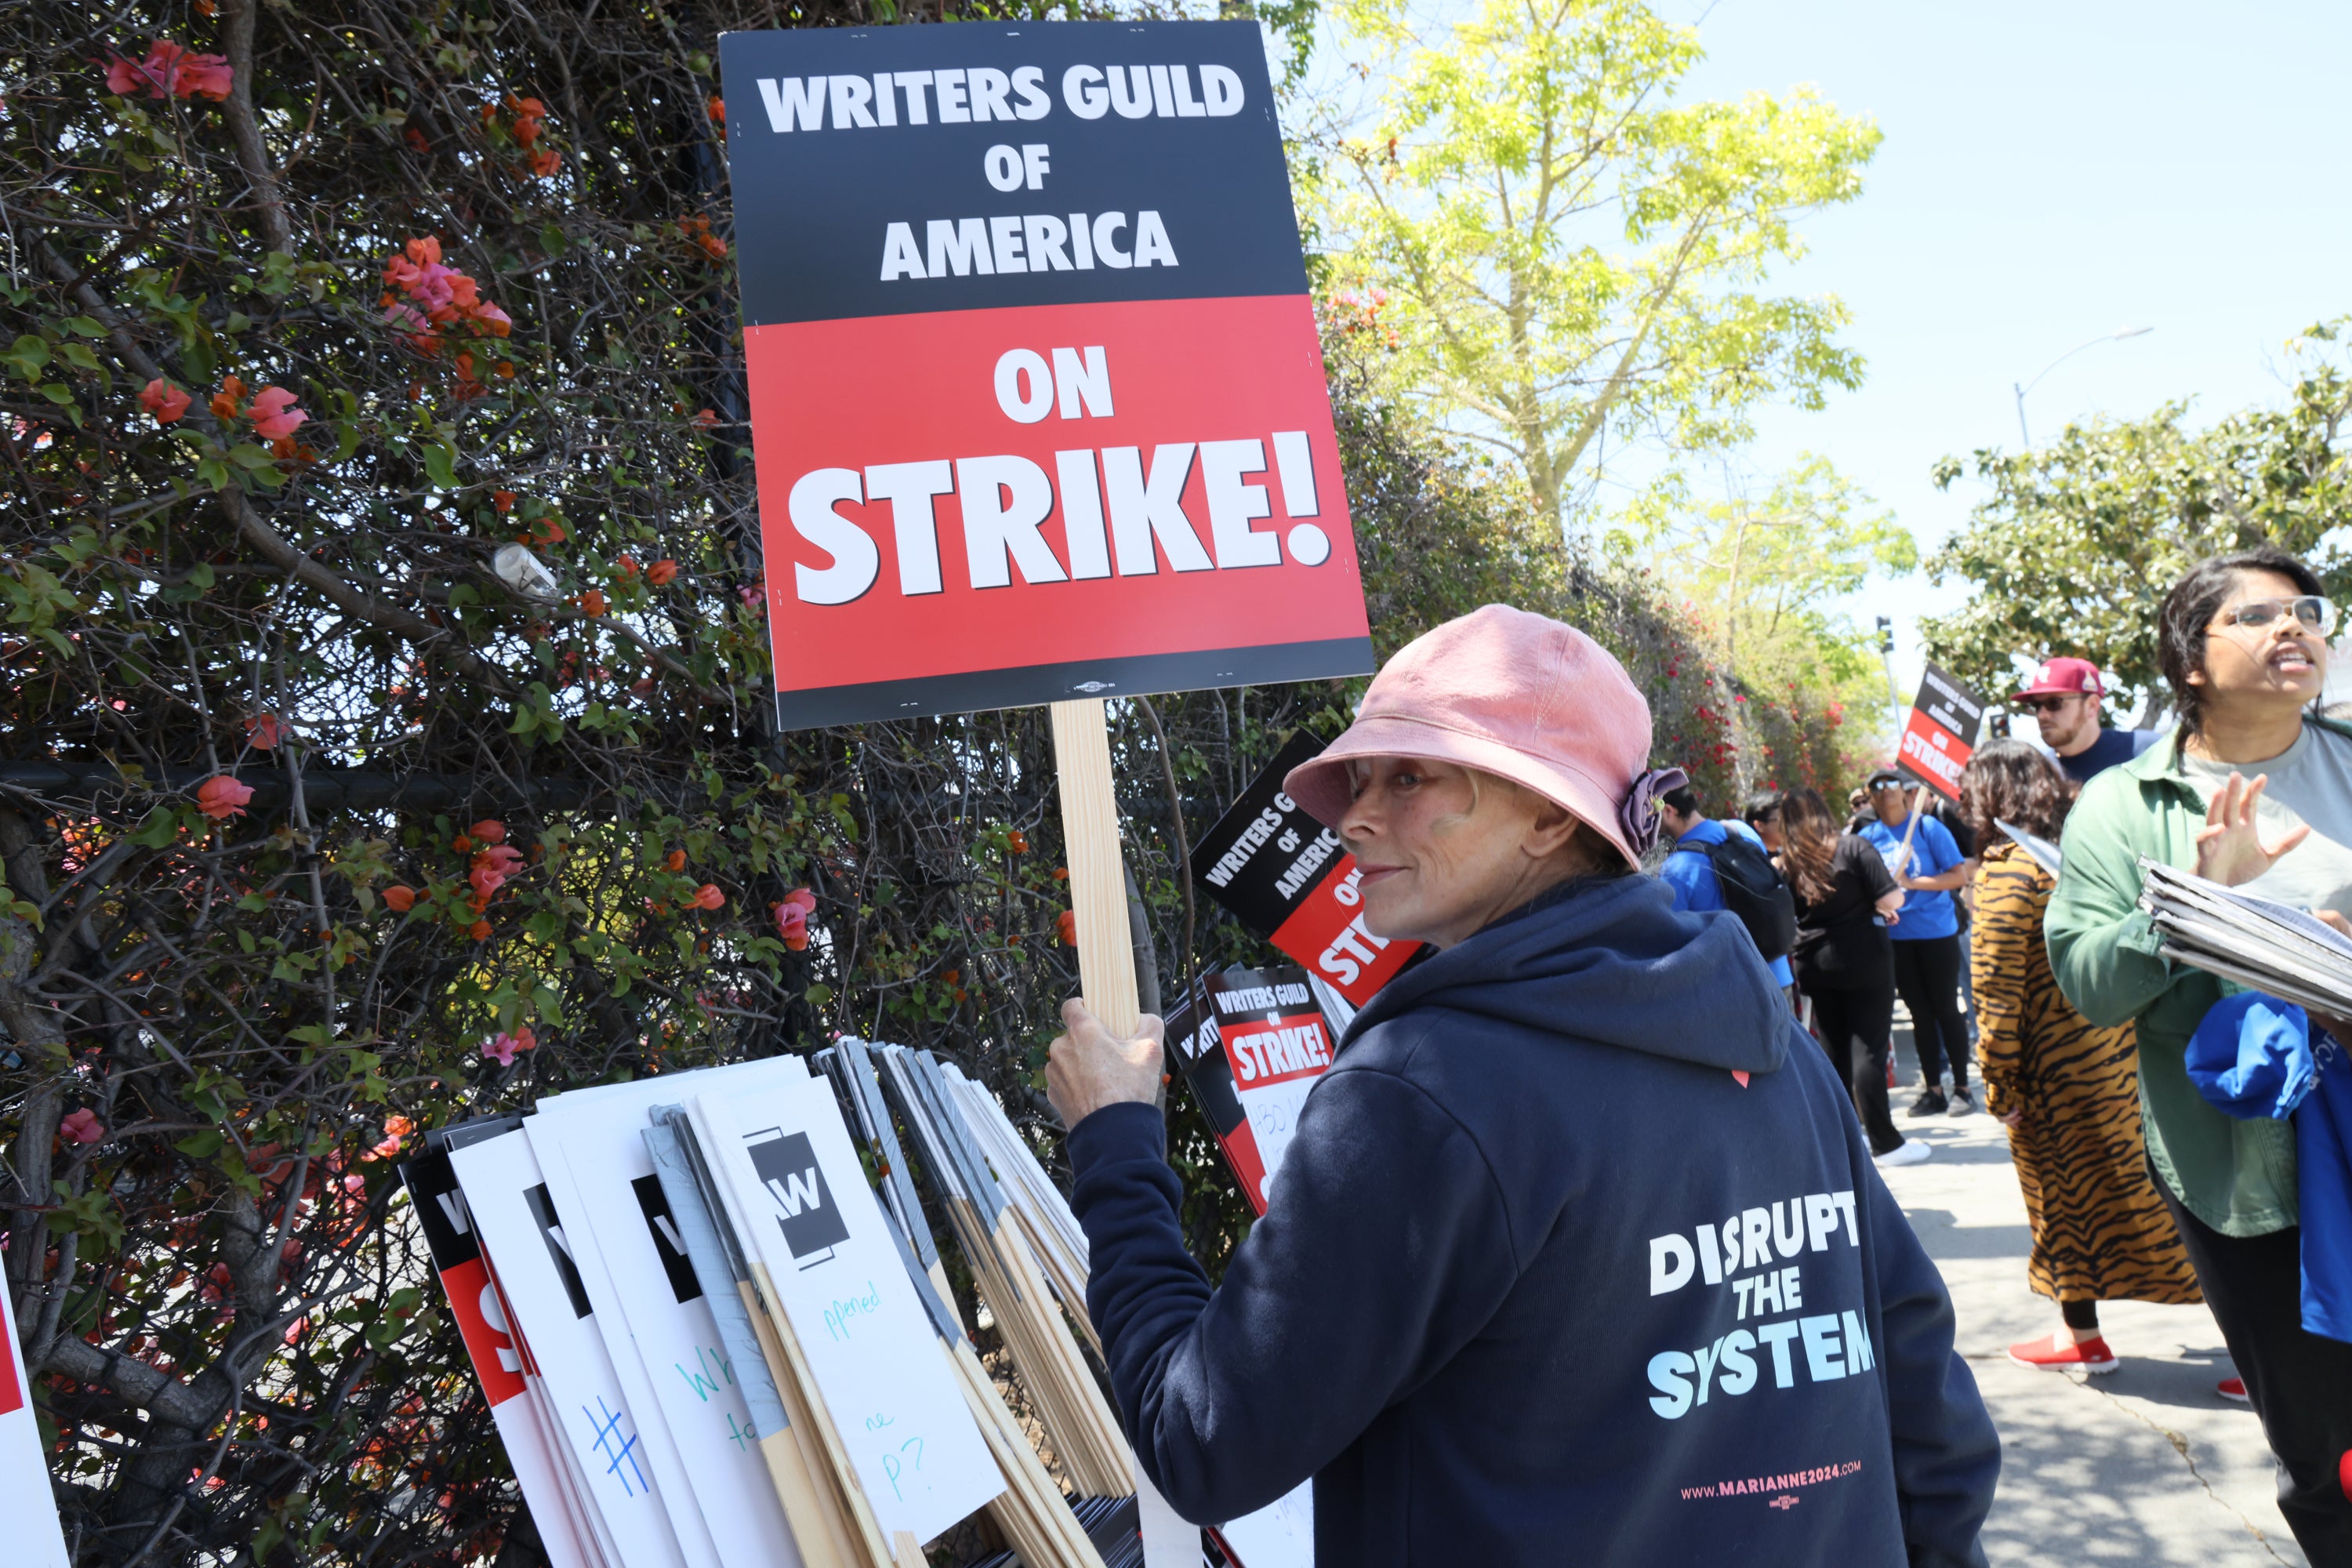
pixel 1542 1282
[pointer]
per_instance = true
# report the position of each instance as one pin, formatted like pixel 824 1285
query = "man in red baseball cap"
pixel 2063 698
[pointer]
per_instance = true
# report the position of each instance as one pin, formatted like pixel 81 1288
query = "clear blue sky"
pixel 2050 172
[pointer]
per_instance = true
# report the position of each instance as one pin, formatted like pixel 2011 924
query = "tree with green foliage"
pixel 2072 548
pixel 1758 576
pixel 1561 248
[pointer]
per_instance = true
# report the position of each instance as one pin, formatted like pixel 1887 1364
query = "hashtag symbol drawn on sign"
pixel 608 1431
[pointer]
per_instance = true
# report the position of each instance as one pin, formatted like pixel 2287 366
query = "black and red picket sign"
pixel 1037 398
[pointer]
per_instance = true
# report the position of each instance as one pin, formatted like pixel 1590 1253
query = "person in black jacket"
pixel 1576 1255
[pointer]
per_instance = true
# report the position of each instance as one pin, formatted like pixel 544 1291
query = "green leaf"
pixel 27 354
pixel 441 465
pixel 201 1145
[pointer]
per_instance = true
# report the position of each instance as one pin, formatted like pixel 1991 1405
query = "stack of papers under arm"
pixel 2258 942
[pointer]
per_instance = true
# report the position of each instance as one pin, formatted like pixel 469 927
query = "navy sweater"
pixel 1542 1282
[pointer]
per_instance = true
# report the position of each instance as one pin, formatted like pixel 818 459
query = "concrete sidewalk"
pixel 2146 1465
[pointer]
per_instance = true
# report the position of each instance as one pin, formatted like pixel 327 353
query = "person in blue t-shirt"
pixel 1926 941
pixel 1690 873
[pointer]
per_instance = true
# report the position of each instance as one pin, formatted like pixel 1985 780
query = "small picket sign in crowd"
pixel 710 1340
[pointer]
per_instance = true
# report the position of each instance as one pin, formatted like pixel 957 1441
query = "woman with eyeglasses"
pixel 2251 790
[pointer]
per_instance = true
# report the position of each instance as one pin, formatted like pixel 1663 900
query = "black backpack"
pixel 1754 889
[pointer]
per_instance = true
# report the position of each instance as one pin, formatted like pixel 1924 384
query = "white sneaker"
pixel 1910 1152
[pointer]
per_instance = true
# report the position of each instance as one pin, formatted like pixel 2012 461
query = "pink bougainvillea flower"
pixel 490 830
pixel 163 400
pixel 81 1126
pixel 792 918
pixel 274 415
pixel 220 798
pixel 501 1047
pixel 170 71
pixel 263 732
pixel 708 897
pixel 492 867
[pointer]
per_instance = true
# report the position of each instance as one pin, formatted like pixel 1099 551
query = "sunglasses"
pixel 2314 612
pixel 2049 704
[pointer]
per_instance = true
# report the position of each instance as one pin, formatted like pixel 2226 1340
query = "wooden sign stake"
pixel 1097 879
pixel 1106 981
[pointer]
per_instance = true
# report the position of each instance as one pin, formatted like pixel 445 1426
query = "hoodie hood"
pixel 1610 962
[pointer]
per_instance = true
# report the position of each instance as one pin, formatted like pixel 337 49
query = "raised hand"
pixel 2230 849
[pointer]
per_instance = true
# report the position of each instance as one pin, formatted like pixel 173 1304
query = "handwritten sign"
pixel 649 1307
pixel 496 1349
pixel 801 1199
pixel 604 1448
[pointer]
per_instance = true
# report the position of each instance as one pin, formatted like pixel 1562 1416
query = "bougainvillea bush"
pixel 382 643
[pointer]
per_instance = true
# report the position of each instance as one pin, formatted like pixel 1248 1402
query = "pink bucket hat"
pixel 1516 695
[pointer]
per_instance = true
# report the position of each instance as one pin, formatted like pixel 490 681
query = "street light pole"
pixel 2021 389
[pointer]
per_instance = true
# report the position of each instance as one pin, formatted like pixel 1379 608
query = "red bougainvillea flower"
pixel 675 861
pixel 628 565
pixel 400 899
pixel 501 1047
pixel 170 71
pixel 591 604
pixel 1068 925
pixel 708 897
pixel 263 732
pixel 490 830
pixel 755 596
pixel 544 160
pixel 698 229
pixel 479 930
pixel 503 501
pixel 662 573
pixel 220 798
pixel 1017 841
pixel 717 107
pixel 792 918
pixel 705 418
pixel 163 400
pixel 1061 873
pixel 274 415
pixel 229 401
pixel 81 1126
pixel 396 1128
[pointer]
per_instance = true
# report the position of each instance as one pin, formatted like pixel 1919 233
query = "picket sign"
pixel 26 1501
pixel 649 1306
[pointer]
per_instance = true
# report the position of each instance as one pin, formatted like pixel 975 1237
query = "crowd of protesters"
pixel 1496 1316
pixel 2009 924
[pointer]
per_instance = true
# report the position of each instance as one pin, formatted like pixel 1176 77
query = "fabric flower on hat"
pixel 792 918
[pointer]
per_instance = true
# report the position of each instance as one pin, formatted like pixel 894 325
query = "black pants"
pixel 1927 973
pixel 2299 1382
pixel 1857 1029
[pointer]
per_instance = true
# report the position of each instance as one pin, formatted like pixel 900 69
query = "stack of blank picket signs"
pixel 713 1336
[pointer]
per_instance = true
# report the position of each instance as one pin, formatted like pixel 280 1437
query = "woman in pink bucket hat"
pixel 1577 1252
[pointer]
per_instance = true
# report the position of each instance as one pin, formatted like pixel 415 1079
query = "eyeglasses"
pixel 2316 613
pixel 2049 704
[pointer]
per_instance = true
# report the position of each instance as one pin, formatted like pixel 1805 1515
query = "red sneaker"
pixel 2232 1388
pixel 2049 1355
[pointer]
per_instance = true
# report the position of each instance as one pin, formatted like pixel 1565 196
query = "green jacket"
pixel 2237 1176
